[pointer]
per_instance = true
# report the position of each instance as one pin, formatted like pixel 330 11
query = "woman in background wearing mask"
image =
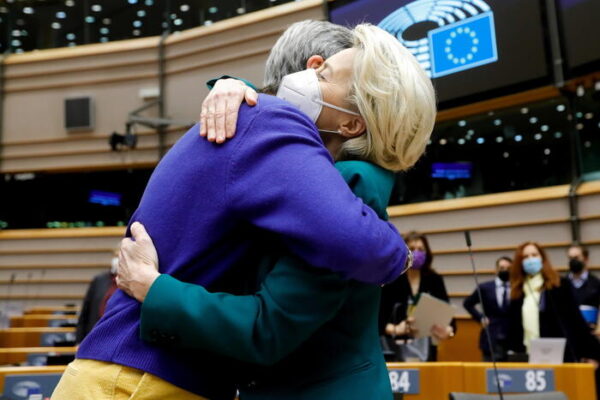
pixel 400 298
pixel 543 305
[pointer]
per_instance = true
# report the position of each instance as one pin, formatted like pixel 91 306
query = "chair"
pixel 530 396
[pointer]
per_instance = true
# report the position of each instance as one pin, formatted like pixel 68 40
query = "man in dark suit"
pixel 496 297
pixel 101 288
pixel 585 285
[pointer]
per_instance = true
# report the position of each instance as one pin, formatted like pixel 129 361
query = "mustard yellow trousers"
pixel 97 380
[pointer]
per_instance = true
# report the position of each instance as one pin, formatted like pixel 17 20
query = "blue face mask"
pixel 532 265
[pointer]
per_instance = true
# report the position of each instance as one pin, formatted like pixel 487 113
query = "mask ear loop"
pixel 324 103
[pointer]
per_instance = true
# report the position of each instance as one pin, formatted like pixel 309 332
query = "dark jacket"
pixel 498 316
pixel 589 293
pixel 559 317
pixel 396 296
pixel 90 311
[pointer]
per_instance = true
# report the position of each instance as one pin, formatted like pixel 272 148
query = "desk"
pixel 54 369
pixel 19 354
pixel 438 379
pixel 40 320
pixel 27 337
pixel 575 380
pixel 51 310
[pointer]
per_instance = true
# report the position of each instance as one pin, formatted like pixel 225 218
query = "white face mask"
pixel 302 89
pixel 114 265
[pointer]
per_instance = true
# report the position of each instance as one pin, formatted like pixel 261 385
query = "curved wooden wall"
pixel 54 266
pixel 113 73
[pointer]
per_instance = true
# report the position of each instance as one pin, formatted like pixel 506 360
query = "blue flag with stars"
pixel 463 45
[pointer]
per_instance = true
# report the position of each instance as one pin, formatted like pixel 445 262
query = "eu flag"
pixel 464 45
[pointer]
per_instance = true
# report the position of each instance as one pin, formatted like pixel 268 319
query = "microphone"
pixel 486 328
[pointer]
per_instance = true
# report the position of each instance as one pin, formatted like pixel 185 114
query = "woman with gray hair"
pixel 315 332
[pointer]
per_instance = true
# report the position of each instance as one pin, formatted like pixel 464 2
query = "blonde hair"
pixel 395 97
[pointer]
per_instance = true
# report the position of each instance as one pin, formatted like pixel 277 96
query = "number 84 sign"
pixel 405 380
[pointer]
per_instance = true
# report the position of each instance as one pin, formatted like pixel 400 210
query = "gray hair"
pixel 298 43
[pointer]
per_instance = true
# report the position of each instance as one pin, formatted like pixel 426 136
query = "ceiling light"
pixel 27 10
pixel 137 23
pixel 499 139
pixel 141 13
pixel 597 86
pixel 56 25
pixel 136 32
pixel 15 43
pixel 544 128
pixel 241 10
pixel 16 33
pixel 518 138
pixel 537 136
pixel 506 155
pixel 558 135
pixel 480 140
pixel 524 110
pixel 471 132
pixel 588 144
pixel 461 141
pixel 208 22
pixel 561 108
pixel 462 122
pixel 443 141
pixel 149 2
pixel 90 19
pixel 132 1
pixel 69 3
pixel 580 91
pixel 96 7
pixel 103 39
pixel 3 10
pixel 178 22
pixel 106 21
pixel 497 122
pixel 579 114
pixel 104 30
pixel 579 126
pixel 184 8
pixel 547 151
pixel 70 36
pixel 61 15
pixel 213 10
pixel 589 115
pixel 71 44
pixel 19 51
pixel 533 120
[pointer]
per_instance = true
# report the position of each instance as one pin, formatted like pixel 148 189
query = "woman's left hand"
pixel 441 332
pixel 138 263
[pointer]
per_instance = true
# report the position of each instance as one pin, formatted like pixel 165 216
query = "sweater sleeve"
pixel 282 179
pixel 293 302
pixel 469 305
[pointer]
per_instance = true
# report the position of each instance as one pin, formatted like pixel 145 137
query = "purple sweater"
pixel 205 204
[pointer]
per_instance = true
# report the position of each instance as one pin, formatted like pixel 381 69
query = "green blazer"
pixel 308 333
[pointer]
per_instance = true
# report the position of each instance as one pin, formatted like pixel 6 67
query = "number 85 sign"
pixel 521 380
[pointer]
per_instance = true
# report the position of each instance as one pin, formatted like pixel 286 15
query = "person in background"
pixel 585 284
pixel 495 297
pixel 400 297
pixel 543 306
pixel 101 288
